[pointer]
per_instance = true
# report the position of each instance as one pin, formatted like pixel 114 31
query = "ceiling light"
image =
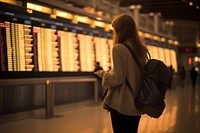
pixel 98 18
pixel 132 7
pixel 191 4
pixel 139 6
pixel 197 7
pixel 151 14
pixel 135 6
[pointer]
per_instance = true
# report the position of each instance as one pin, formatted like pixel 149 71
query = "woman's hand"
pixel 99 73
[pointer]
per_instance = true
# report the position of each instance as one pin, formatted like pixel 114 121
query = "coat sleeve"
pixel 116 76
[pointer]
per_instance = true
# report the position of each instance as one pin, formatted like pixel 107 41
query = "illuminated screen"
pixel 33 43
pixel 36 44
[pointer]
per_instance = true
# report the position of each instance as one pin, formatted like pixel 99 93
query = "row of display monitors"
pixel 30 48
pixel 26 47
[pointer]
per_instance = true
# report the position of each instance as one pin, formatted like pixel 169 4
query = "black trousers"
pixel 123 123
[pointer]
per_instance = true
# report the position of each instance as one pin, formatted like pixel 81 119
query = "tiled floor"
pixel 182 115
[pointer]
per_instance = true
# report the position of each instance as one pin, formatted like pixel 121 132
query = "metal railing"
pixel 49 88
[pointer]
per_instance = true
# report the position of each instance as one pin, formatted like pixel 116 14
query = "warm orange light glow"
pixel 198 44
pixel 39 8
pixel 107 27
pixel 156 38
pixel 64 14
pixel 98 18
pixel 82 19
pixel 170 41
pixel 141 33
pixel 100 24
pixel 14 2
pixel 147 35
pixel 176 42
pixel 163 39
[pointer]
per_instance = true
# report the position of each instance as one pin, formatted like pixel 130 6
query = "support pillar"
pixel 156 18
pixel 136 12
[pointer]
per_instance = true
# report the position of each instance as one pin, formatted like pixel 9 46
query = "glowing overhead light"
pixel 159 14
pixel 139 6
pixel 132 7
pixel 163 39
pixel 147 35
pixel 98 18
pixel 151 14
pixel 169 23
pixel 100 24
pixel 197 7
pixel 14 2
pixel 170 41
pixel 191 3
pixel 135 6
pixel 196 58
pixel 198 45
pixel 39 8
pixel 81 19
pixel 176 43
pixel 156 38
pixel 64 14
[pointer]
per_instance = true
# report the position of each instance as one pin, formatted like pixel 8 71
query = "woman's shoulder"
pixel 119 46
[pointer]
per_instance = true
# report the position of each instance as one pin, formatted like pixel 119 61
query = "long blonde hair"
pixel 125 29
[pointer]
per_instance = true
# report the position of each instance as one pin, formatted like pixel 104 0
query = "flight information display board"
pixel 35 44
pixel 31 45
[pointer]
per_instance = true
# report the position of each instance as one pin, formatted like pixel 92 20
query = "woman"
pixel 125 116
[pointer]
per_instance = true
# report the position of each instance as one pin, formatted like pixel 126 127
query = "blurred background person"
pixel 193 77
pixel 182 75
pixel 97 67
pixel 100 88
pixel 171 71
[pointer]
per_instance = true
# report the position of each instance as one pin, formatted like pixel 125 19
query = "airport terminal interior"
pixel 49 50
pixel 181 115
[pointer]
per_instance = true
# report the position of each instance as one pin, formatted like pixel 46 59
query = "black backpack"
pixel 152 87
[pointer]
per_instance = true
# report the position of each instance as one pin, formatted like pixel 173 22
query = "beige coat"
pixel 119 96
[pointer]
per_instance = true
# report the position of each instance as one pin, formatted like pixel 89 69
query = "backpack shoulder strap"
pixel 130 88
pixel 139 65
pixel 134 57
